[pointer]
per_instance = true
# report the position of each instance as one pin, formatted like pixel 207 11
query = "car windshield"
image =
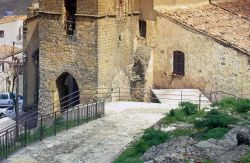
pixel 4 96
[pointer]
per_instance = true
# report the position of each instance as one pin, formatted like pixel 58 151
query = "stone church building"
pixel 95 47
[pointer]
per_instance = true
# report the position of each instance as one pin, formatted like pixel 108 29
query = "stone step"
pixel 175 96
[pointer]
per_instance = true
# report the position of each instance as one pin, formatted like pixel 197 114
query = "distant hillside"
pixel 17 6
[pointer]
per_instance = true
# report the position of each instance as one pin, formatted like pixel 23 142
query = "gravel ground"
pixel 98 141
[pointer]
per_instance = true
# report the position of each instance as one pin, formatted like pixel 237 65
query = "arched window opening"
pixel 178 63
pixel 70 6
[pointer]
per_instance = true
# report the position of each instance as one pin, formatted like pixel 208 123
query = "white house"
pixel 11 29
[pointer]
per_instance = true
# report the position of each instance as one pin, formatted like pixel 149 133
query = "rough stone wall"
pixel 62 53
pixel 52 6
pixel 209 64
pixel 30 67
pixel 99 54
pixel 116 39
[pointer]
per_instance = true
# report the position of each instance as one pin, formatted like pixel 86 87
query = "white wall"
pixel 11 32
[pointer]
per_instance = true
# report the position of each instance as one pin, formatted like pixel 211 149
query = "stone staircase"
pixel 175 96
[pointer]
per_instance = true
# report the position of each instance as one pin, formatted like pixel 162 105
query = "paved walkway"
pixel 98 141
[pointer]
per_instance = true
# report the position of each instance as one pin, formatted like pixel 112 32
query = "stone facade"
pixel 105 55
pixel 210 64
pixel 100 53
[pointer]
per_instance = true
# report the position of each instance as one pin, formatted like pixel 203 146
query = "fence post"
pixel 55 123
pixel 181 96
pixel 6 144
pixel 96 105
pixel 119 94
pixel 41 132
pixel 200 102
pixel 87 112
pixel 78 115
pixel 67 123
pixel 25 133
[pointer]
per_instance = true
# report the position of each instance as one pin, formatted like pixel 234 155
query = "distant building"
pixel 7 54
pixel 11 40
pixel 11 29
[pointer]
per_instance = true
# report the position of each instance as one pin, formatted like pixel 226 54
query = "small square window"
pixel 1 34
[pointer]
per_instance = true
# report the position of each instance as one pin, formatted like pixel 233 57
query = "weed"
pixel 215 133
pixel 151 137
pixel 188 108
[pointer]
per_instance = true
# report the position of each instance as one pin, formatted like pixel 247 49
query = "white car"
pixel 6 99
pixel 7 111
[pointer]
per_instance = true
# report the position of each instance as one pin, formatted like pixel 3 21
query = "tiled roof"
pixel 7 50
pixel 216 22
pixel 8 19
pixel 240 7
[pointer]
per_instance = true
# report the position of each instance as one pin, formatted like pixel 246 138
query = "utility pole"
pixel 17 98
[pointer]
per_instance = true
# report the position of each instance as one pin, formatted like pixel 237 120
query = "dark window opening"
pixel 178 63
pixel 1 34
pixel 142 28
pixel 68 91
pixel 19 34
pixel 70 6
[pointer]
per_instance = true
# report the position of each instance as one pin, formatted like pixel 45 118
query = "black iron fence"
pixel 41 126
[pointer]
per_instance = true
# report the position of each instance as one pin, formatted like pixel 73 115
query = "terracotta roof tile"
pixel 8 19
pixel 240 7
pixel 216 22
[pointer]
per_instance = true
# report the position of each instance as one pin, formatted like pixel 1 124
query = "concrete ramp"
pixel 175 96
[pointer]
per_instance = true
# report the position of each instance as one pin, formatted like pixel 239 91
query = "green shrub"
pixel 215 119
pixel 216 133
pixel 172 113
pixel 151 137
pixel 181 132
pixel 246 159
pixel 174 116
pixel 229 102
pixel 242 105
pixel 154 137
pixel 188 108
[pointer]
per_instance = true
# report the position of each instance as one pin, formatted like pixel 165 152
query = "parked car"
pixel 7 111
pixel 6 99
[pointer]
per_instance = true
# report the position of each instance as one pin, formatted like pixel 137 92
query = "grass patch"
pixel 225 103
pixel 233 104
pixel 151 137
pixel 215 119
pixel 215 133
pixel 180 116
pixel 246 159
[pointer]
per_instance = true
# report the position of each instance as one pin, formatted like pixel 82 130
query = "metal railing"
pixel 41 126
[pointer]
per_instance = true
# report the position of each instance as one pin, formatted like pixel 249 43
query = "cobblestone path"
pixel 98 141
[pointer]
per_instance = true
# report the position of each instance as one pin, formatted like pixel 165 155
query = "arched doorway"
pixel 68 91
pixel 138 81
